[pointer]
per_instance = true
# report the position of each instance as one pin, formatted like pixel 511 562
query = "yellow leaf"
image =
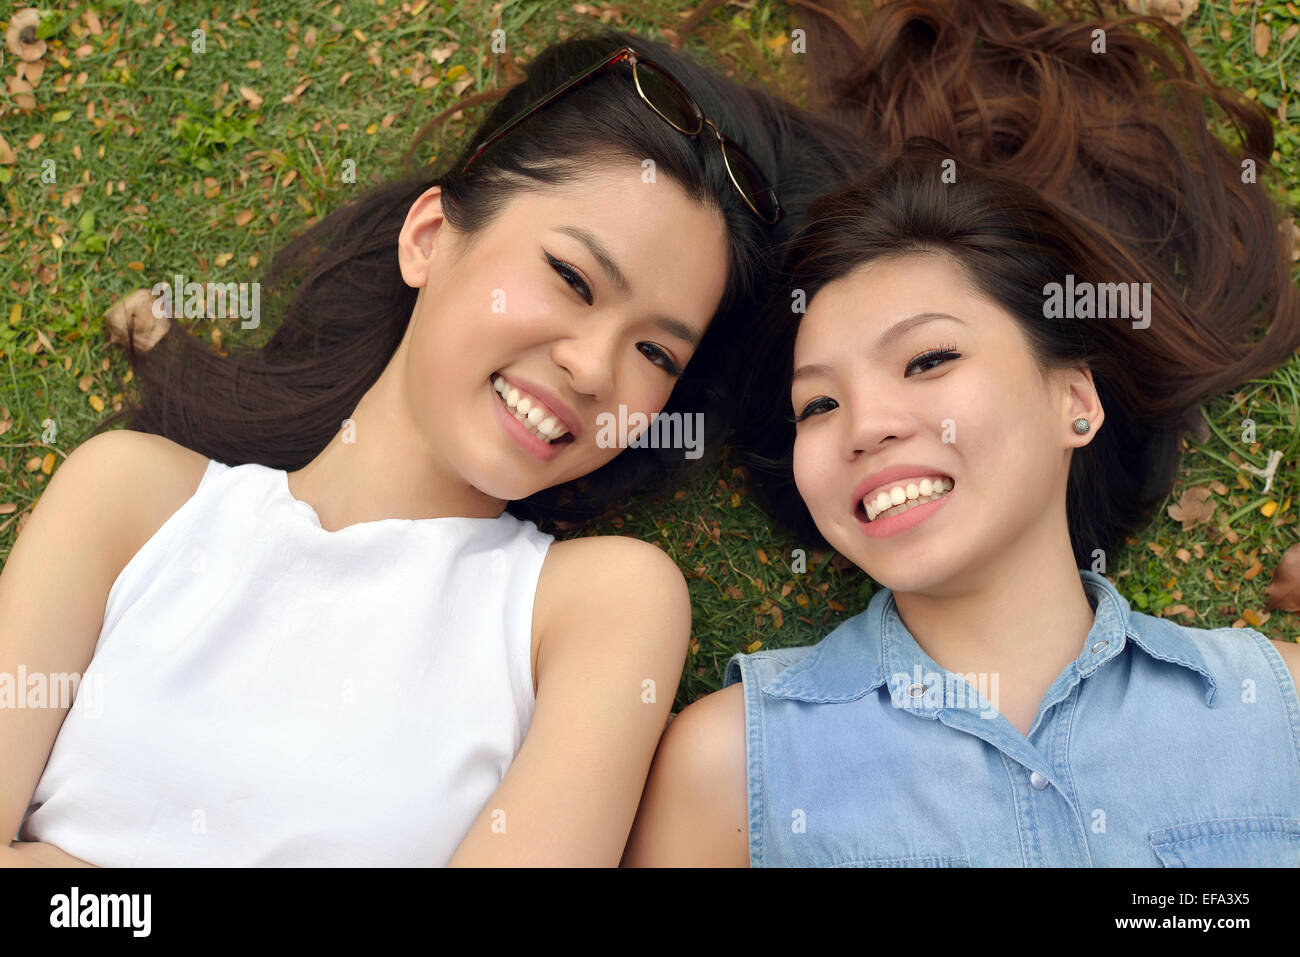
pixel 735 499
pixel 753 646
pixel 97 403
pixel 15 313
pixel 47 463
pixel 762 556
pixel 1268 508
pixel 454 72
pixel 223 258
pixel 1252 617
pixel 56 241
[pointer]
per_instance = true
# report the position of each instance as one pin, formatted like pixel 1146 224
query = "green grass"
pixel 157 154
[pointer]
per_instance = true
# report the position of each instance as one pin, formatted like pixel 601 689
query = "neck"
pixel 382 466
pixel 1023 615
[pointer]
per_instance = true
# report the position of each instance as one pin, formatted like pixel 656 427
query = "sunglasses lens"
pixel 750 182
pixel 669 99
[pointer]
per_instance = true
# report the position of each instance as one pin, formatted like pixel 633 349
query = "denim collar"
pixel 874 648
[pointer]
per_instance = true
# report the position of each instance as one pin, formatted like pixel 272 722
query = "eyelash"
pixel 570 275
pixel 942 352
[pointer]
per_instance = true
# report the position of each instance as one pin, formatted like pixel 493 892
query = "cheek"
pixel 812 459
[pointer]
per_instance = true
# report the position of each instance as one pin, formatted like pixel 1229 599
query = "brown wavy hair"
pixel 1068 161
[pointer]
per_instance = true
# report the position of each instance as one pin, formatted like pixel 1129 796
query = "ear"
pixel 1082 402
pixel 419 239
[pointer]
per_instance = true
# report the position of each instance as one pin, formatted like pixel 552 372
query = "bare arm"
pixel 695 808
pixel 610 659
pixel 53 590
pixel 36 854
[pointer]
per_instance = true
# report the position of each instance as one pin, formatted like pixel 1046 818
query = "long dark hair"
pixel 1012 242
pixel 339 307
pixel 1132 178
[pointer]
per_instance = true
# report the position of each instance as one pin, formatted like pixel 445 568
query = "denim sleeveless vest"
pixel 1160 745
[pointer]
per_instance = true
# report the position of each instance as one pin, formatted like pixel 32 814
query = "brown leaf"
pixel 1284 592
pixel 441 54
pixel 1174 11
pixel 1263 37
pixel 1193 508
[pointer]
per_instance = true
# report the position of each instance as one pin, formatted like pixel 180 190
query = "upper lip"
pixel 550 399
pixel 890 476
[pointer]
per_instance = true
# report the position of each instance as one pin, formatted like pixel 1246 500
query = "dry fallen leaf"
pixel 1263 37
pixel 135 312
pixel 440 54
pixel 1193 508
pixel 20 38
pixel 1284 592
pixel 1173 11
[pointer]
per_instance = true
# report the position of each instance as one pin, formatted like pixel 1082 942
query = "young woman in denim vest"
pixel 981 453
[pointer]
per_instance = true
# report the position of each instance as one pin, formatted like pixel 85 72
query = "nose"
pixel 588 358
pixel 873 419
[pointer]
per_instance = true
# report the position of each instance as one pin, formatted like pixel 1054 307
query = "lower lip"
pixel 892 525
pixel 543 451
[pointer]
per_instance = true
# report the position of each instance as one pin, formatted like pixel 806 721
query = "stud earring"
pixel 1082 425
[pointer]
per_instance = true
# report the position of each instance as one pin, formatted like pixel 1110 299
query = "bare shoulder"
pixel 140 477
pixel 694 810
pixel 1290 652
pixel 607 578
pixel 568 562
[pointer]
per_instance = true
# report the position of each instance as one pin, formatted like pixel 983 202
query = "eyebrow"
pixel 674 327
pixel 889 335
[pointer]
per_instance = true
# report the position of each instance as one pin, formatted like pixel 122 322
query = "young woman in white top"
pixel 257 576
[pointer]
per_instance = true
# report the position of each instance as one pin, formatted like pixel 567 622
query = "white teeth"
pixel 908 496
pixel 528 412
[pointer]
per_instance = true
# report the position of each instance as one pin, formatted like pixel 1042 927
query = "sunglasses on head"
pixel 667 97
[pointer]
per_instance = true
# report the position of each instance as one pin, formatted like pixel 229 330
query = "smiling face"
pixel 894 395
pixel 585 296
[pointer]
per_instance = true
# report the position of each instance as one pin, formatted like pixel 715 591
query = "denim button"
pixel 915 690
pixel 1038 781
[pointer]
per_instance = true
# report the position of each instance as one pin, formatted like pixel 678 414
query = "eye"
pixel 570 275
pixel 937 356
pixel 812 407
pixel 666 364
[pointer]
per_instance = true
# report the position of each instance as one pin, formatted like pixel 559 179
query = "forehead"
pixel 877 294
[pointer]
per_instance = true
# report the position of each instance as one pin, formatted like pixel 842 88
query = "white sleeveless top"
pixel 268 693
